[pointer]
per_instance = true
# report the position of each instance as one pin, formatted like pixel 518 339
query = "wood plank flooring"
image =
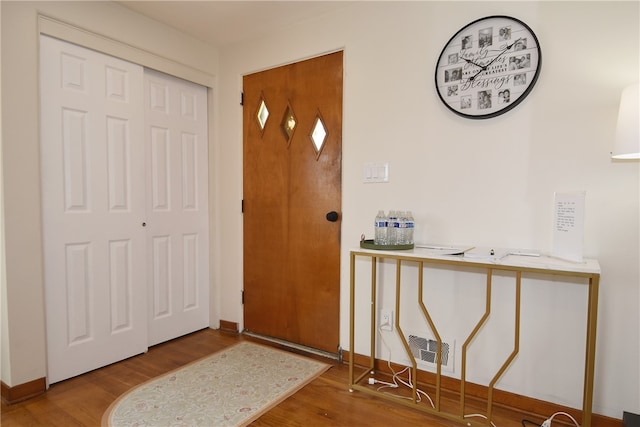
pixel 82 400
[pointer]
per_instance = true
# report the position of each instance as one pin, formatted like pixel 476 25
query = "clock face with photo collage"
pixel 488 67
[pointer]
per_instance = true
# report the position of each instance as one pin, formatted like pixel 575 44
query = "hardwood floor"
pixel 82 400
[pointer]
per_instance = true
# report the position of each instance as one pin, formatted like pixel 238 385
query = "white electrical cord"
pixel 396 378
pixel 409 384
pixel 547 422
pixel 480 416
pixel 375 381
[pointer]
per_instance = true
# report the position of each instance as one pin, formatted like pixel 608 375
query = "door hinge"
pixel 241 98
pixel 242 293
pixel 242 206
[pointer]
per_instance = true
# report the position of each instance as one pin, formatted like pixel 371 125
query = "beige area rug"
pixel 230 388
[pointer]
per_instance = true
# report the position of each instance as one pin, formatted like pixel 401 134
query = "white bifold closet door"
pixel 177 206
pixel 124 205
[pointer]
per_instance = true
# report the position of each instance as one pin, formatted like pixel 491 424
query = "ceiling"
pixel 221 23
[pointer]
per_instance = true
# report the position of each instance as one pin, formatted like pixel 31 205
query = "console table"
pixel 527 265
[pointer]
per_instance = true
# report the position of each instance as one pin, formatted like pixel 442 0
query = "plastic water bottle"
pixel 401 237
pixel 380 229
pixel 392 228
pixel 409 228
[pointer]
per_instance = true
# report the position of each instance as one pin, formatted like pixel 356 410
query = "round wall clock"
pixel 488 67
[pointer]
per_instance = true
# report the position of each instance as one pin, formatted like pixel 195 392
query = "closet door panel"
pixel 178 217
pixel 93 201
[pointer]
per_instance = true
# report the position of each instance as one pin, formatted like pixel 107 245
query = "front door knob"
pixel 332 216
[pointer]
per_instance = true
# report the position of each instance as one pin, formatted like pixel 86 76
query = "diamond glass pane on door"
pixel 318 134
pixel 263 114
pixel 289 123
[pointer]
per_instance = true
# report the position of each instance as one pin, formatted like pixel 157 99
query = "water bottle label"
pixel 380 223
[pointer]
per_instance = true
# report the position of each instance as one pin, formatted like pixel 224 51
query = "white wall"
pixel 487 183
pixel 118 30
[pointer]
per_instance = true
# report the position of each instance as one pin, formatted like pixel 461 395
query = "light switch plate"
pixel 376 172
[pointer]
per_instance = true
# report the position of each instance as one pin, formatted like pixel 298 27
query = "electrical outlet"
pixel 386 320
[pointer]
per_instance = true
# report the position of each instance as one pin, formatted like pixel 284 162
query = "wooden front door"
pixel 292 201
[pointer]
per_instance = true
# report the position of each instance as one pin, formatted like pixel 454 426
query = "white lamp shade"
pixel 627 144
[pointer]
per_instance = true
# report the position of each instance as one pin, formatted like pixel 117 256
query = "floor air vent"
pixel 425 350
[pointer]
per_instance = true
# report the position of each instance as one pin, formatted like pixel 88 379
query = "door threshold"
pixel 296 346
